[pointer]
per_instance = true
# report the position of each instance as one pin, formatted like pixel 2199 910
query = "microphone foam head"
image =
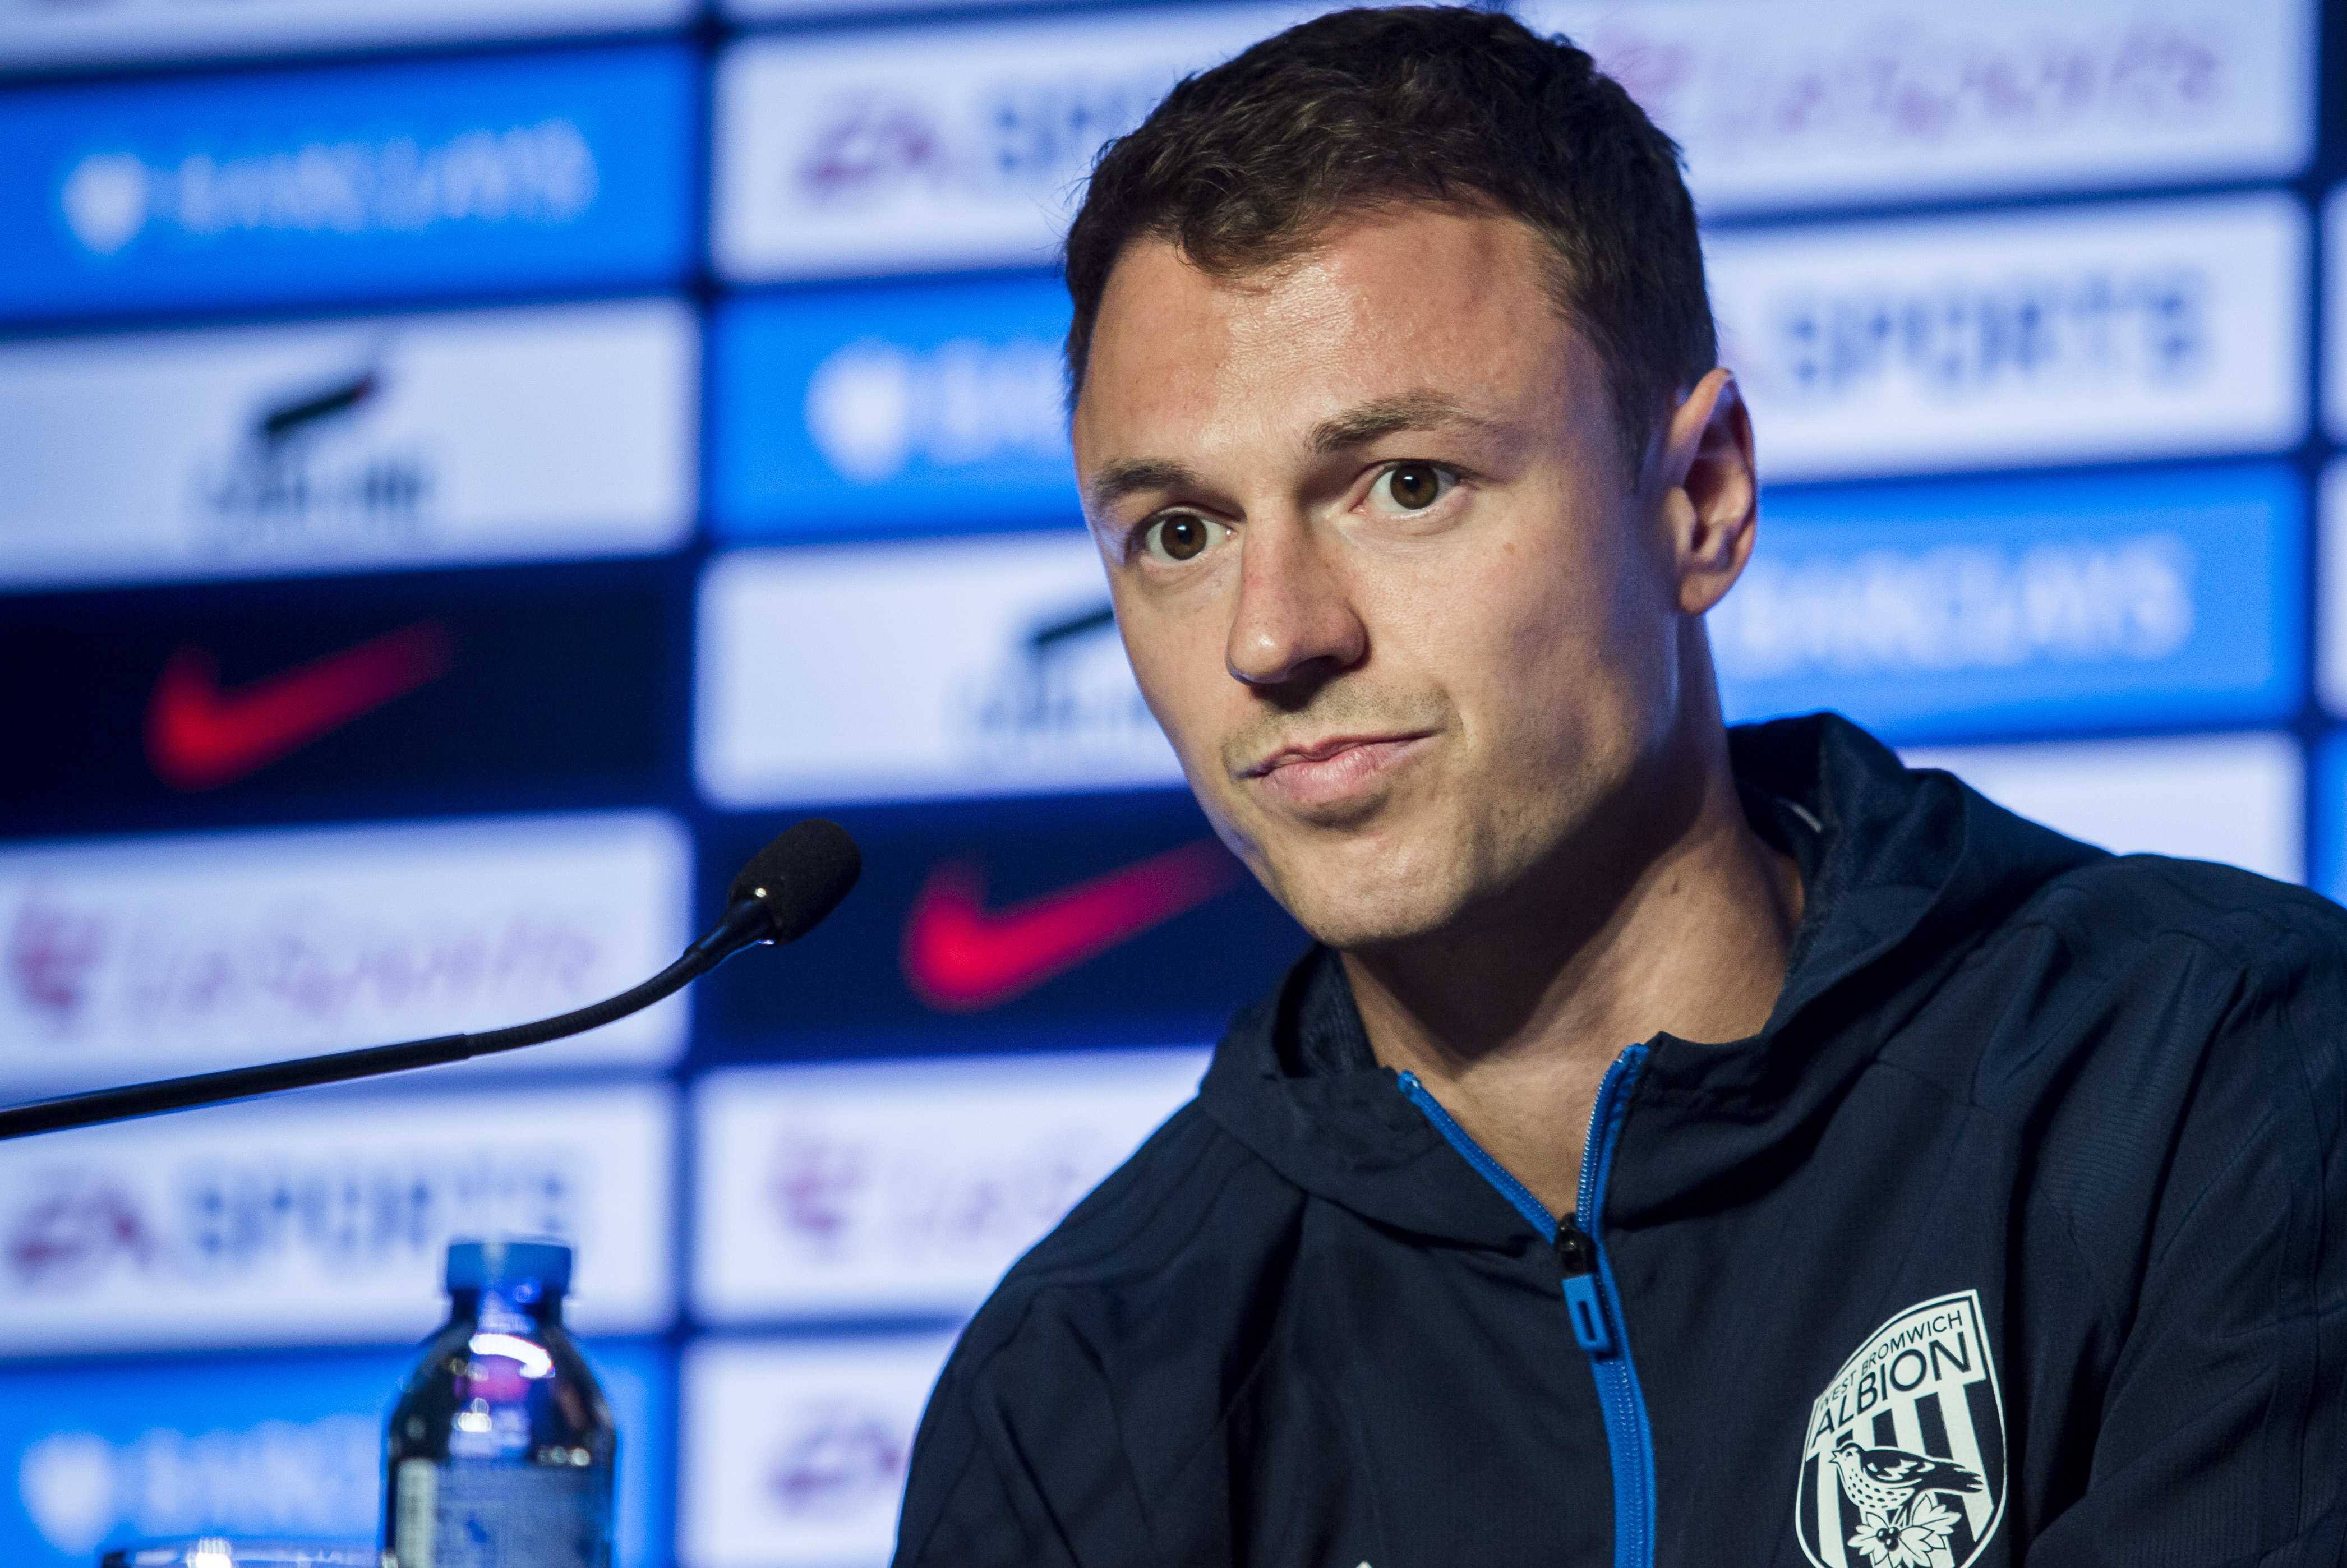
pixel 801 877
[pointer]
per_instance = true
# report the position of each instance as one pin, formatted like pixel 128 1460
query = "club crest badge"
pixel 1903 1465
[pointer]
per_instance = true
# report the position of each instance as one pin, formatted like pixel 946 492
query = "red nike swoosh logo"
pixel 200 737
pixel 962 957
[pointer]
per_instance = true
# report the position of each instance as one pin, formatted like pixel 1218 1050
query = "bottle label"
pixel 501 1516
pixel 416 1507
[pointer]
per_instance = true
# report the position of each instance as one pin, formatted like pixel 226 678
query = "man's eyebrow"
pixel 1339 433
pixel 1388 416
pixel 1129 475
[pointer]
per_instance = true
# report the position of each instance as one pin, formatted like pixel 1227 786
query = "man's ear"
pixel 1710 490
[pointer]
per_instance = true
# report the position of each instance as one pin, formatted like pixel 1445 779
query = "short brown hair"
pixel 1245 166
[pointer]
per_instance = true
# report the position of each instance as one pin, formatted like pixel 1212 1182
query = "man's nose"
pixel 1294 620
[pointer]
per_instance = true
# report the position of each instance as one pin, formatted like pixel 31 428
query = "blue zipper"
pixel 1593 1304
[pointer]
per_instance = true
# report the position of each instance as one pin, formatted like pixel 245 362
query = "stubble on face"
pixel 1441 712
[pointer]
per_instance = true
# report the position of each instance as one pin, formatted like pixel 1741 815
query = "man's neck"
pixel 1510 1020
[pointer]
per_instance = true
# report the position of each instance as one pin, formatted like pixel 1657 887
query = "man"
pixel 1684 1146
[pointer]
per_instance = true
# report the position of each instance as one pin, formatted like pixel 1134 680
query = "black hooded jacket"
pixel 2019 1234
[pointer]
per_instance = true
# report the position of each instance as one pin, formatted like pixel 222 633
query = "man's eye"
pixel 1182 536
pixel 1411 487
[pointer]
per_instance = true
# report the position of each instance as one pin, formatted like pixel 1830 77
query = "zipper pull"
pixel 1576 1255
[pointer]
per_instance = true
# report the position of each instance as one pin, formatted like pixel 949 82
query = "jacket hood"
pixel 1902 873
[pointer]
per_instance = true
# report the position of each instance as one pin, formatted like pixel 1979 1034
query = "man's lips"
pixel 1328 771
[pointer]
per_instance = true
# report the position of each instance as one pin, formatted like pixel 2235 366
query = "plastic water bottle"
pixel 501 1452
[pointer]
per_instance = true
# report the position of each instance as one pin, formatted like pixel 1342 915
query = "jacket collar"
pixel 1901 872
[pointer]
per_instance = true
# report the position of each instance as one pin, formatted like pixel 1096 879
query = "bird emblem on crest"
pixel 1903 1521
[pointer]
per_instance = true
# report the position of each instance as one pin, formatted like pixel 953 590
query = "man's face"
pixel 1411 628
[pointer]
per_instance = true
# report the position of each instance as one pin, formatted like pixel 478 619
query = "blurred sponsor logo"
pixel 286 966
pixel 564 170
pixel 2038 603
pixel 35 32
pixel 75 1226
pixel 542 173
pixel 2135 331
pixel 1063 688
pixel 276 1478
pixel 927 408
pixel 871 406
pixel 1114 921
pixel 2234 799
pixel 285 476
pixel 200 737
pixel 961 957
pixel 907 1187
pixel 553 432
pixel 2096 327
pixel 837 1457
pixel 137 955
pixel 797 1449
pixel 228 1217
pixel 1961 608
pixel 950 147
pixel 1811 102
pixel 1016 683
pixel 871 141
pixel 265 1225
pixel 1031 134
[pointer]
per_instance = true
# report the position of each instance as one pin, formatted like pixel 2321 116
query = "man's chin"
pixel 1353 915
pixel 1392 878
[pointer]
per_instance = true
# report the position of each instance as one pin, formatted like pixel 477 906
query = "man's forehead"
pixel 1378 310
pixel 1427 258
pixel 1433 318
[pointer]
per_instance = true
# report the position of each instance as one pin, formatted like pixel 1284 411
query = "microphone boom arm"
pixel 154 1099
pixel 786 889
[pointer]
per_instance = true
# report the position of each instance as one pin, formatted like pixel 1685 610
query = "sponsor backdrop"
pixel 471 470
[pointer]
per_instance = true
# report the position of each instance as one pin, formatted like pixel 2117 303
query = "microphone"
pixel 781 894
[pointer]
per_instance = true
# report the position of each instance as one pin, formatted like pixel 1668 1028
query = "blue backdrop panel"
pixel 2009 607
pixel 927 409
pixel 2326 858
pixel 256 1446
pixel 551 171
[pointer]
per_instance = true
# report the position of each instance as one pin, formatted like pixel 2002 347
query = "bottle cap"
pixel 521 1268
